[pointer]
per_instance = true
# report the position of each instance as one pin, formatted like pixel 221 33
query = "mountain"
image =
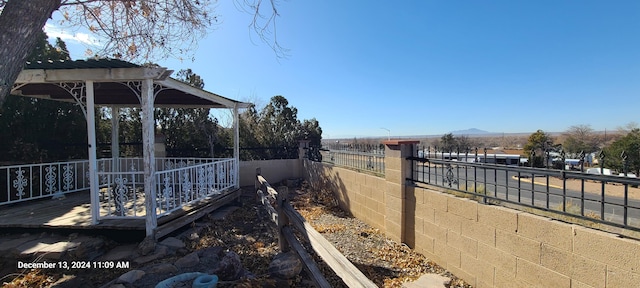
pixel 471 131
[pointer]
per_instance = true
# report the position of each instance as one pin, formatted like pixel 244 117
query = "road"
pixel 503 184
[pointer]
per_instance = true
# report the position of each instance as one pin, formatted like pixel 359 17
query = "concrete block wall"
pixel 360 194
pixel 486 245
pixel 492 246
pixel 395 195
pixel 274 170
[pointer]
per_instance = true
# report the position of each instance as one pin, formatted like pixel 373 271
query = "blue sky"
pixel 431 67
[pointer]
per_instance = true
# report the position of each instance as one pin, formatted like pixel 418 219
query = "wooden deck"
pixel 73 212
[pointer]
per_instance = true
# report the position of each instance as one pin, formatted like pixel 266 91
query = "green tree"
pixel 311 131
pixel 130 132
pixel 189 131
pixel 630 145
pixel 36 130
pixel 275 126
pixel 537 144
pixel 131 29
pixel 248 126
pixel 279 127
pixel 448 143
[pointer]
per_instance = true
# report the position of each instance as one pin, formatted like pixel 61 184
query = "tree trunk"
pixel 20 22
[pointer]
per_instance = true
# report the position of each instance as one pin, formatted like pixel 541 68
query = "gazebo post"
pixel 93 163
pixel 148 147
pixel 236 145
pixel 115 132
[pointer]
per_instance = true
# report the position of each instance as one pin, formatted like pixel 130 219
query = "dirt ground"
pixel 247 232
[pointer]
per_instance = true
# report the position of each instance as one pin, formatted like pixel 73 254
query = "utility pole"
pixel 388 133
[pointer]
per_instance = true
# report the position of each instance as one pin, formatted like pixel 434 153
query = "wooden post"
pixel 148 146
pixel 115 143
pixel 115 154
pixel 283 220
pixel 257 183
pixel 236 145
pixel 93 162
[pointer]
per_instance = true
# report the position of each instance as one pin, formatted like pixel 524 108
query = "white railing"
pixel 162 163
pixel 33 181
pixel 166 163
pixel 179 181
pixel 180 186
pixel 121 194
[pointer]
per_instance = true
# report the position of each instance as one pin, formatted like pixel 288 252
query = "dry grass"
pixel 330 228
pixel 31 278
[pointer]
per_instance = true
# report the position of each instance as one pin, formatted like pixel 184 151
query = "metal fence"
pixel 360 157
pixel 246 153
pixel 608 199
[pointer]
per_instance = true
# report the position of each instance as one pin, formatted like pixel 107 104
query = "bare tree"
pixel 127 29
pixel 264 22
pixel 141 29
pixel 465 143
pixel 580 138
pixel 628 127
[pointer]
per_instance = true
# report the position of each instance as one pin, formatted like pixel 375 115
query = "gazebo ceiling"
pixel 114 84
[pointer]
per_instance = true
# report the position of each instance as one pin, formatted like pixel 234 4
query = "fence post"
pixel 303 146
pixel 283 220
pixel 257 183
pixel 397 170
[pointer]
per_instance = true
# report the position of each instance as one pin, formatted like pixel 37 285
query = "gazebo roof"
pixel 113 81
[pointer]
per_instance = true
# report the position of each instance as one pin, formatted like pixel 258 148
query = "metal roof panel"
pixel 80 64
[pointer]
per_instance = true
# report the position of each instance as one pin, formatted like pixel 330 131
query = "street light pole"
pixel 388 133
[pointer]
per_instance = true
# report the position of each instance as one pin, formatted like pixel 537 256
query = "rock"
pixel 189 260
pixel 194 232
pixel 66 281
pixel 130 277
pixel 229 268
pixel 160 252
pixel 215 253
pixel 8 247
pixel 147 246
pixel 123 252
pixel 117 286
pixel 47 248
pixel 193 236
pixel 90 248
pixel 162 268
pixel 173 242
pixel 285 265
pixel 246 274
pixel 429 280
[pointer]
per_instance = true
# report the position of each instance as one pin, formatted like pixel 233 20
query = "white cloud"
pixel 79 38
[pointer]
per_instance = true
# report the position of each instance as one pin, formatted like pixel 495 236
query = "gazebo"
pixel 122 189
